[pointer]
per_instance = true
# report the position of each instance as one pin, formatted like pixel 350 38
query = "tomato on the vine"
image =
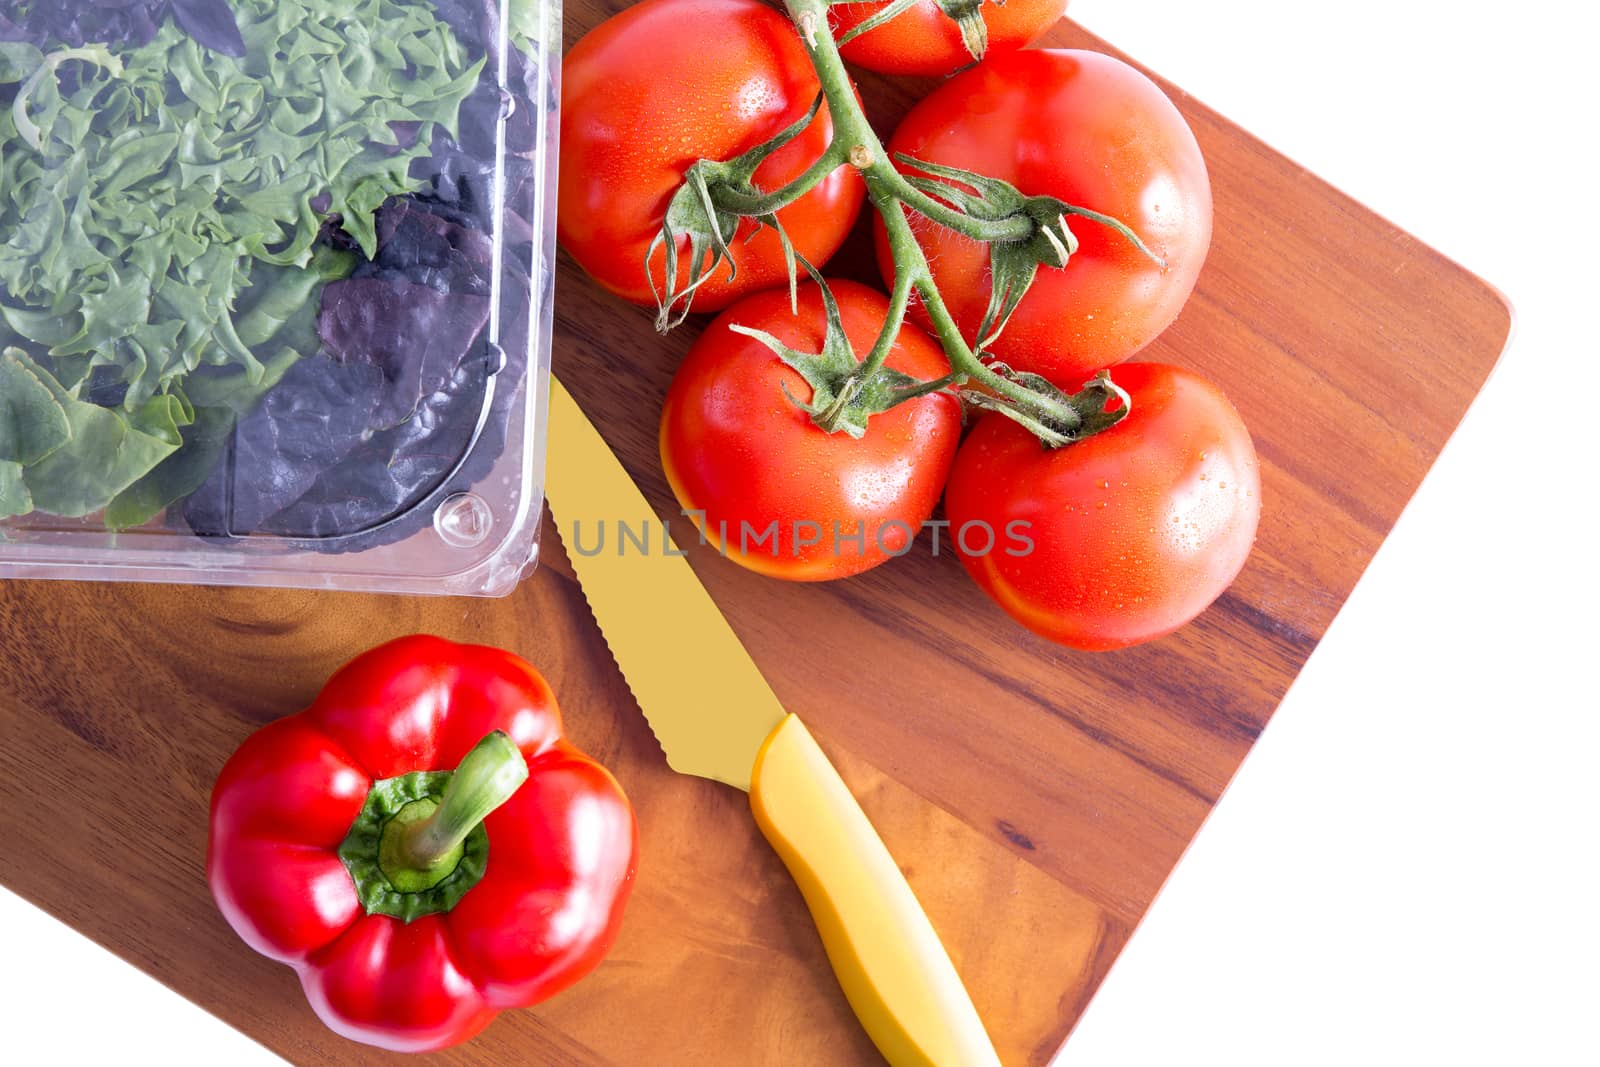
pixel 1092 131
pixel 923 40
pixel 668 82
pixel 776 492
pixel 1134 531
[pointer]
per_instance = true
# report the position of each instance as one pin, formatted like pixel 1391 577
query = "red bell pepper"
pixel 414 900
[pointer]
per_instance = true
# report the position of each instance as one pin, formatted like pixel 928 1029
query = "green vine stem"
pixel 741 203
pixel 1023 233
pixel 889 192
pixel 899 300
pixel 985 230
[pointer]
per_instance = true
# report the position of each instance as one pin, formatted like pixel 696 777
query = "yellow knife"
pixel 716 717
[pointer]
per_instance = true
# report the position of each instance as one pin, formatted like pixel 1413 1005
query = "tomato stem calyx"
pixel 1098 406
pixel 966 14
pixel 1036 232
pixel 968 17
pixel 845 391
pixel 707 210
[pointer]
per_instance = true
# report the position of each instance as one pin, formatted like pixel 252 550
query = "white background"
pixel 1402 873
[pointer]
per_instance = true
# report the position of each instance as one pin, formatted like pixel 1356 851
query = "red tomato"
pixel 1133 531
pixel 736 449
pixel 925 41
pixel 1094 132
pixel 668 82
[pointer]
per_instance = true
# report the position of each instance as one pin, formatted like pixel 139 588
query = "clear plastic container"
pixel 275 290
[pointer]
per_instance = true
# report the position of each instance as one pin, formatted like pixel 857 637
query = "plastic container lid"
pixel 275 290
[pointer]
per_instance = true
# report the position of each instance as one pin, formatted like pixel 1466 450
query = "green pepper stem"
pixel 485 779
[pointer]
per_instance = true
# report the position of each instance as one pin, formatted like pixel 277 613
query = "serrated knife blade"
pixel 710 708
pixel 716 717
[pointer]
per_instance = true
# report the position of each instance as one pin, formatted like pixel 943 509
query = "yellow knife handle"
pixel 896 974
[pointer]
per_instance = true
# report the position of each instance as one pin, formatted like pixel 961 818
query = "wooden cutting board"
pixel 1036 797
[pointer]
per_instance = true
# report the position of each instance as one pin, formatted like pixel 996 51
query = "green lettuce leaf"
pixel 14 496
pixel 175 477
pixel 33 423
pixel 103 454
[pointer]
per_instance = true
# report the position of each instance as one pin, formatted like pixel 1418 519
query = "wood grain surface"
pixel 1036 797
